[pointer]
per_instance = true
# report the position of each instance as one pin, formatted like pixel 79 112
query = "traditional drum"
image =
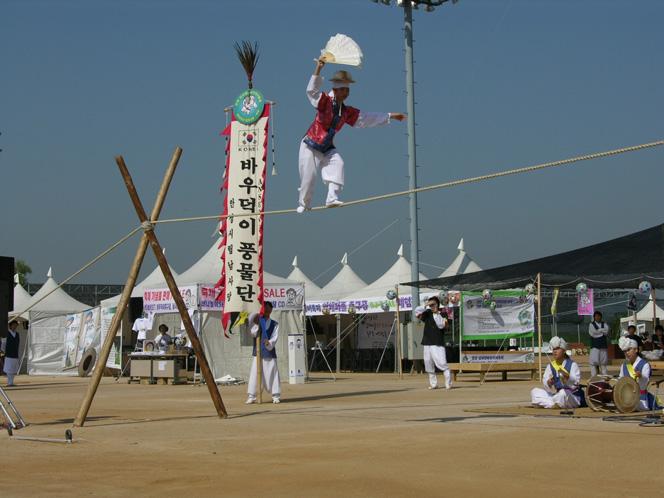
pixel 606 394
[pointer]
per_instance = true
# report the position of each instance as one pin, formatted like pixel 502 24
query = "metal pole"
pixel 398 348
pixel 412 163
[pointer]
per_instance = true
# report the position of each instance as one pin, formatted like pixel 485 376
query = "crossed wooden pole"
pixel 149 237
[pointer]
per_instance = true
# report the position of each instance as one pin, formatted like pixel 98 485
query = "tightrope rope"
pixel 81 270
pixel 454 183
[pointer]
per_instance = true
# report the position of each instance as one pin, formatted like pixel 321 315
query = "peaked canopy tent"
pixel 297 275
pixel 232 356
pixel 46 340
pixel 615 264
pixel 462 263
pixel 343 283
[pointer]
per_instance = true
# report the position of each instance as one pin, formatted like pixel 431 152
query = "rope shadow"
pixel 344 395
pixel 460 419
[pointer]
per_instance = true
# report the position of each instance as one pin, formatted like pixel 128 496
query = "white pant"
pixel 331 167
pixel 11 369
pixel 599 357
pixel 545 399
pixel 434 356
pixel 271 379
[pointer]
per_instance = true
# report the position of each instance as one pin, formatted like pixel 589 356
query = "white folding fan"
pixel 342 49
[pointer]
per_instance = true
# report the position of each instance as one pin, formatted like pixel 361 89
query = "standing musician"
pixel 638 369
pixel 269 333
pixel 10 350
pixel 599 345
pixel 561 381
pixel 433 341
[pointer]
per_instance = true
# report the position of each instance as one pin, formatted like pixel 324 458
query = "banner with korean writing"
pixel 585 303
pixel 161 300
pixel 242 226
pixel 205 297
pixel 498 357
pixel 365 305
pixel 115 356
pixel 512 316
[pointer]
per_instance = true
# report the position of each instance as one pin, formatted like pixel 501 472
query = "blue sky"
pixel 500 84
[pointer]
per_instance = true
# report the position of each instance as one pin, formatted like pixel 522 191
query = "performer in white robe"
pixel 433 342
pixel 10 348
pixel 599 343
pixel 317 150
pixel 561 381
pixel 269 330
pixel 638 369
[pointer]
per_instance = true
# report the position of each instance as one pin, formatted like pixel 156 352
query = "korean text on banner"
pixel 513 316
pixel 242 229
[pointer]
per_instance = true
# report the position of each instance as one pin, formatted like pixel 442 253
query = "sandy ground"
pixel 364 435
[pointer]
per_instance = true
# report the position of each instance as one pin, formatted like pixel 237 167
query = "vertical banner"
pixel 242 226
pixel 585 303
pixel 115 357
pixel 72 330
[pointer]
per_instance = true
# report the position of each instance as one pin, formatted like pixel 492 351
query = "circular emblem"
pixel 248 106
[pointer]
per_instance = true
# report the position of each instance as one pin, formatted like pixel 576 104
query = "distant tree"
pixel 23 270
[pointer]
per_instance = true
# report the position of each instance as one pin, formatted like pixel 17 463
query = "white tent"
pixel 398 272
pixel 461 264
pixel 46 340
pixel 645 315
pixel 345 282
pixel 312 291
pixel 233 355
pixel 21 296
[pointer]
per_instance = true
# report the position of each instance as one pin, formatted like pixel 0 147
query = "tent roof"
pixel 296 275
pixel 345 282
pixel 21 296
pixel 58 301
pixel 398 272
pixel 154 279
pixel 207 270
pixel 461 264
pixel 618 263
pixel 646 312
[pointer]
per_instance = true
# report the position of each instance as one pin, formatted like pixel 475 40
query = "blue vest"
pixel 643 394
pixel 558 384
pixel 11 348
pixel 598 342
pixel 266 333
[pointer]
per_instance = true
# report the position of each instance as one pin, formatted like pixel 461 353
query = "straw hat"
pixel 342 77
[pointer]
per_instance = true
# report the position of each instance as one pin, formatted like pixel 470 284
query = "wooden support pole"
pixel 126 294
pixel 539 324
pixel 653 296
pixel 259 362
pixel 175 292
pixel 398 348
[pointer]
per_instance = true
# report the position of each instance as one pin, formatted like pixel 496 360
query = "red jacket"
pixel 319 136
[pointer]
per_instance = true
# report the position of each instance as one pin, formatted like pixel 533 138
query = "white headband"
pixel 625 343
pixel 557 342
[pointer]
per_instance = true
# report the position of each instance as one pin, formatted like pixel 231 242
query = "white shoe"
pixel 334 204
pixel 431 388
pixel 300 209
pixel 250 401
pixel 448 386
pixel 276 401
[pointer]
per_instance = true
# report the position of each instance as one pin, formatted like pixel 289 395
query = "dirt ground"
pixel 363 435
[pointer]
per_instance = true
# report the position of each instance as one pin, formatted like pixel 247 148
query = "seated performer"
pixel 638 369
pixel 163 340
pixel 561 381
pixel 317 151
pixel 269 330
pixel 433 343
